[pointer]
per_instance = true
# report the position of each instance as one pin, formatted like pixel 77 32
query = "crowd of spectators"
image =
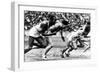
pixel 31 18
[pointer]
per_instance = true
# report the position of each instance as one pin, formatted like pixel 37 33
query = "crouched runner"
pixel 35 36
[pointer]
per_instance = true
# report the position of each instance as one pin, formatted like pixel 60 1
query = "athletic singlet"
pixel 73 34
pixel 35 30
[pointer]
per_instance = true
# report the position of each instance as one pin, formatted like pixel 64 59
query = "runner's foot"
pixel 44 57
pixel 67 54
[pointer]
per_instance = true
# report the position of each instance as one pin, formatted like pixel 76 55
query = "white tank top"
pixel 34 31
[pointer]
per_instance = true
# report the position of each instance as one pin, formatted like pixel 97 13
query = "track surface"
pixel 54 54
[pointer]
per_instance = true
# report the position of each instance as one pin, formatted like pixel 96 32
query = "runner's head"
pixel 65 22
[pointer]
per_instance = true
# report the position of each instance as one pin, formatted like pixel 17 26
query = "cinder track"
pixel 54 54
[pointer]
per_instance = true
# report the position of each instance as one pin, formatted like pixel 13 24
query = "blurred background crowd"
pixel 31 18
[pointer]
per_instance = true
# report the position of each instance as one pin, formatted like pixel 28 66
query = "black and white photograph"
pixel 52 35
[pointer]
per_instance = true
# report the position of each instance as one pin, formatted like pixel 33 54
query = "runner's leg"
pixel 46 50
pixel 48 47
pixel 31 39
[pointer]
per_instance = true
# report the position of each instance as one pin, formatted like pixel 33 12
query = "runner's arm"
pixel 49 34
pixel 62 36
